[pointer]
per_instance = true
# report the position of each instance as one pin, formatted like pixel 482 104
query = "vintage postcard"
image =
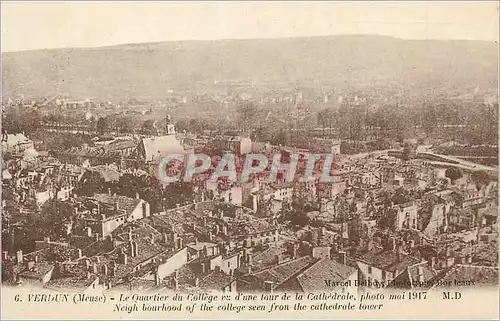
pixel 249 160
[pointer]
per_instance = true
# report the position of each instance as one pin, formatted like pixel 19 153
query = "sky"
pixel 40 25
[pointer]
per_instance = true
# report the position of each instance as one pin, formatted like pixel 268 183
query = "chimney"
pixel 268 286
pixel 136 249
pixel 447 251
pixel 245 255
pixel 105 269
pixel 210 236
pixel 370 244
pixel 398 252
pixel 58 269
pixel 123 257
pixel 432 262
pixel 30 265
pixel 94 268
pixel 19 257
pixel 295 251
pixel 36 258
pixel 238 260
pixel 96 237
pixel 117 206
pixel 203 268
pixel 131 248
pixel 217 229
pixel 137 196
pixel 175 282
pixel 420 272
pixel 175 238
pixel 89 231
pixel 152 236
pixel 335 247
pixel 157 278
pixel 103 217
pixel 109 191
pixel 179 243
pixel 87 264
pixel 196 282
pixel 224 229
pixel 5 255
pixel 277 259
pixel 393 243
pixel 79 253
pixel 343 257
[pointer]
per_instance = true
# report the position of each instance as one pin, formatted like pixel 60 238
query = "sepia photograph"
pixel 249 159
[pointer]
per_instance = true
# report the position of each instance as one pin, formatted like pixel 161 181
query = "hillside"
pixel 149 70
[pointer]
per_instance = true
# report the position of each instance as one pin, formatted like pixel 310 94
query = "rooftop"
pixel 479 275
pixel 387 260
pixel 313 279
pixel 280 273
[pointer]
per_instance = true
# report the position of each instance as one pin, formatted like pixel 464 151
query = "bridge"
pixel 452 161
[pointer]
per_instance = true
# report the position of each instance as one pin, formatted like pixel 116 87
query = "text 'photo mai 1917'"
pixel 209 160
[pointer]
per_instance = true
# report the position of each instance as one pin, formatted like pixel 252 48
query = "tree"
pixel 480 178
pixel 92 183
pixel 355 229
pixel 453 174
pixel 102 125
pixel 246 115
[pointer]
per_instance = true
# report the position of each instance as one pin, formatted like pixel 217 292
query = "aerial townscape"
pixel 412 199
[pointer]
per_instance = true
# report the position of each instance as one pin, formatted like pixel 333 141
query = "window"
pixel 370 270
pixel 383 274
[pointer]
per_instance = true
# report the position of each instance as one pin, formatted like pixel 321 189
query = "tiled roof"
pixel 74 276
pixel 427 272
pixel 387 260
pixel 109 174
pixel 39 270
pixel 253 226
pixel 480 275
pixel 121 144
pixel 313 279
pixel 216 280
pixel 487 254
pixel 135 285
pixel 161 146
pixel 200 245
pixel 138 231
pixel 265 258
pixel 282 272
pixel 125 203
